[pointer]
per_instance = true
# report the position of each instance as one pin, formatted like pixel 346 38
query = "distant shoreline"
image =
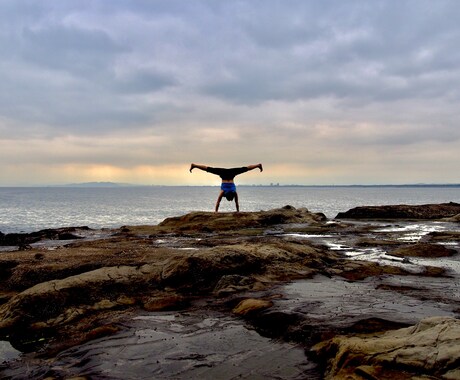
pixel 127 185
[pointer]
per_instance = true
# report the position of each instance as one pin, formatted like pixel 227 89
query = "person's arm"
pixel 219 198
pixel 236 203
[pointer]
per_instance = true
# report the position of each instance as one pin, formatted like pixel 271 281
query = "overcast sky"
pixel 320 92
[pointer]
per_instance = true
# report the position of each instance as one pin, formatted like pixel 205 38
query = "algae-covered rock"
pixel 251 305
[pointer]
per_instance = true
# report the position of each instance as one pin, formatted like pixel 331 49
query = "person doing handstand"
pixel 227 188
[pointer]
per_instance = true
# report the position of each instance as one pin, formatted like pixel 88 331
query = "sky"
pixel 325 92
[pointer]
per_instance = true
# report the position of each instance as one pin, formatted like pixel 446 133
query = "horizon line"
pixel 105 184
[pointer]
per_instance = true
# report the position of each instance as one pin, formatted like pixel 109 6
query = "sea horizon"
pixel 35 208
pixel 117 184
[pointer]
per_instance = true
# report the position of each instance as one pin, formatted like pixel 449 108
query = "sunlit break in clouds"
pixel 321 92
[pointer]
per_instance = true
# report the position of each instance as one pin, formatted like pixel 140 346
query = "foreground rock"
pixel 52 299
pixel 428 211
pixel 47 297
pixel 431 348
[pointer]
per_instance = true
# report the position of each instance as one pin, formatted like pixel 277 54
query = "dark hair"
pixel 230 195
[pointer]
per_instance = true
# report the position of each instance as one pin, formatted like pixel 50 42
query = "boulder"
pixel 430 348
pixel 211 221
pixel 426 212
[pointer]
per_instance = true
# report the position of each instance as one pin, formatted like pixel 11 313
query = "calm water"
pixel 31 209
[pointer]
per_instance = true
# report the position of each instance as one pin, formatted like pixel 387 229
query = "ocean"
pixel 27 209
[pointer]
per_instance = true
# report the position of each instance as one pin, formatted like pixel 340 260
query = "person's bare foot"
pixel 192 166
pixel 261 168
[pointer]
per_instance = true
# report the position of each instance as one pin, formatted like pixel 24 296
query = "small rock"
pixel 232 283
pixel 251 305
pixel 166 302
pixel 125 300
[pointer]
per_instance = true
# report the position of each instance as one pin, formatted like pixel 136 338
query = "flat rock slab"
pixel 166 345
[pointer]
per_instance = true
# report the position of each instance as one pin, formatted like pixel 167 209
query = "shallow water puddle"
pixel 404 232
pixel 413 232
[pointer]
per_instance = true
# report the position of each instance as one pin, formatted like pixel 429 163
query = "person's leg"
pixel 258 166
pixel 236 171
pixel 201 167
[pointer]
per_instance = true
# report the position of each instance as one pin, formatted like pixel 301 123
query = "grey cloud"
pixel 84 53
pixel 339 45
pixel 64 76
pixel 143 81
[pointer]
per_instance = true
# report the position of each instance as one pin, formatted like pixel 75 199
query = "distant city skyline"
pixel 322 93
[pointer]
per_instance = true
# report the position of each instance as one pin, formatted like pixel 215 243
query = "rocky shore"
pixel 370 294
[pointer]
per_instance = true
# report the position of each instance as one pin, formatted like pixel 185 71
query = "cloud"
pixel 128 84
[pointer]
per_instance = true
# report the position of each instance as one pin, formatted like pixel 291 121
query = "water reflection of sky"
pixel 405 232
pixel 414 232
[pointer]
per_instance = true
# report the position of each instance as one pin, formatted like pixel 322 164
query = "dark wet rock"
pixel 166 301
pixel 373 325
pixel 233 283
pixel 430 348
pixel 372 242
pixel 6 268
pixel 360 270
pixel 423 250
pixel 25 239
pixel 444 236
pixel 425 212
pixel 280 325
